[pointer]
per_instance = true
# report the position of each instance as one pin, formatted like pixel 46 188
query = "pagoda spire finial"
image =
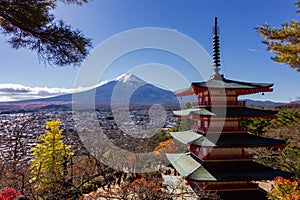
pixel 216 49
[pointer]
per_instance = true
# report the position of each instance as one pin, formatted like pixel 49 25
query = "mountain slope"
pixel 125 89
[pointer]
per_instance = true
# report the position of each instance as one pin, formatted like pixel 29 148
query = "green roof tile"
pixel 225 139
pixel 199 111
pixel 223 83
pixel 231 84
pixel 235 171
pixel 183 163
pixel 194 169
pixel 191 137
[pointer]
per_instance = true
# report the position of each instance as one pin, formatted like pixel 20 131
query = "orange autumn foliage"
pixel 153 185
pixel 167 146
pixel 145 188
pixel 286 189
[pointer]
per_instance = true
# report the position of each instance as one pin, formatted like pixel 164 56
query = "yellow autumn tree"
pixel 50 158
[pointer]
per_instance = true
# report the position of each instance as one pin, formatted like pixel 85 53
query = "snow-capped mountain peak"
pixel 130 78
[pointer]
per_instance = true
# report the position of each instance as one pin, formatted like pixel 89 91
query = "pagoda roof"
pixel 190 137
pixel 245 112
pixel 240 140
pixel 191 167
pixel 187 112
pixel 243 194
pixel 183 163
pixel 236 171
pixel 224 140
pixel 229 111
pixel 219 82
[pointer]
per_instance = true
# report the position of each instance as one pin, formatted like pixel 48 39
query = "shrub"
pixel 9 194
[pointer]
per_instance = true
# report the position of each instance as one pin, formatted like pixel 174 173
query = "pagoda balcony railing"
pixel 222 103
pixel 224 129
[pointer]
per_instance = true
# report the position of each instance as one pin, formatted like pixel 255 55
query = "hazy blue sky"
pixel 243 56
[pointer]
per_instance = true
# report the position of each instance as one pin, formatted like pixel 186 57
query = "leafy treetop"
pixel 284 41
pixel 31 25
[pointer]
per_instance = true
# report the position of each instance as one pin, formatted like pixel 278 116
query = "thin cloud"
pixel 16 92
pixel 13 88
pixel 254 50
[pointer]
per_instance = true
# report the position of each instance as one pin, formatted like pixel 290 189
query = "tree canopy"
pixel 30 24
pixel 284 41
pixel 285 127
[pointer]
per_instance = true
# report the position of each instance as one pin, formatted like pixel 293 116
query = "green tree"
pixel 285 127
pixel 285 118
pixel 257 126
pixel 184 124
pixel 284 41
pixel 50 157
pixel 31 25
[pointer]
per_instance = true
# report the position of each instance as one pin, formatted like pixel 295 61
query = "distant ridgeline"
pixel 143 96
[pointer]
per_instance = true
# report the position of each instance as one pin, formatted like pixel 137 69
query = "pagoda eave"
pixel 189 111
pixel 196 116
pixel 277 146
pixel 252 91
pixel 235 171
pixel 193 168
pixel 243 194
pixel 185 92
pixel 226 140
pixel 196 90
pixel 225 186
pixel 239 91
pixel 237 112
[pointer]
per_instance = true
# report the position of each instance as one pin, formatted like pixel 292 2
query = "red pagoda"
pixel 217 160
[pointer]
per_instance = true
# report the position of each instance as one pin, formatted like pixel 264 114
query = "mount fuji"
pixel 126 88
